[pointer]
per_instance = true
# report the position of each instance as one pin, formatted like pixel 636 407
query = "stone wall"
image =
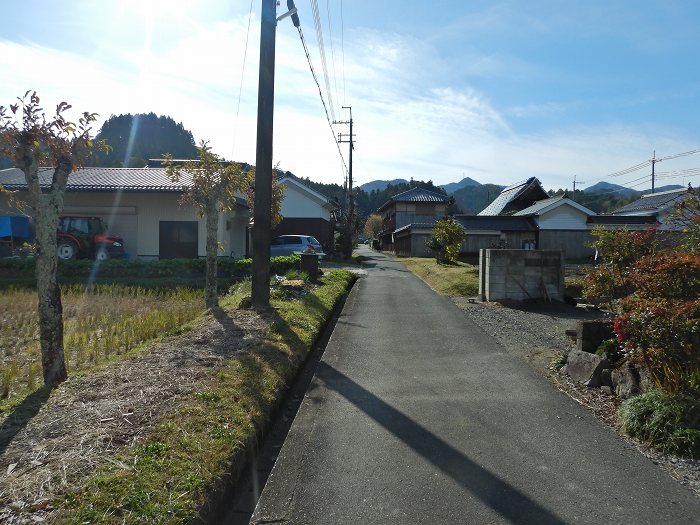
pixel 519 275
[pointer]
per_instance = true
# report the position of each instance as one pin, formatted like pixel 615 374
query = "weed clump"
pixel 669 423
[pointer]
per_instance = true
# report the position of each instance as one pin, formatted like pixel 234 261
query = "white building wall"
pixel 296 203
pixel 563 218
pixel 137 217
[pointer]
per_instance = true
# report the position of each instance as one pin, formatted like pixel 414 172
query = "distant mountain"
pixel 622 191
pixel 669 187
pixel 607 187
pixel 454 186
pixel 380 185
pixel 472 199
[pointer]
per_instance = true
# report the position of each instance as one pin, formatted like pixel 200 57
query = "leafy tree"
pixel 686 217
pixel 214 184
pixel 373 226
pixel 277 195
pixel 31 139
pixel 136 138
pixel 446 240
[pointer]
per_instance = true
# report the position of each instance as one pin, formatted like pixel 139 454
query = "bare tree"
pixel 214 185
pixel 30 139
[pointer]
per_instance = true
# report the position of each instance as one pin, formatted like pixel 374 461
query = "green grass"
pixel 454 280
pixel 166 477
pixel 668 423
pixel 105 323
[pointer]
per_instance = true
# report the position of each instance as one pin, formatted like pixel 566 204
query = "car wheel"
pixel 66 250
pixel 101 255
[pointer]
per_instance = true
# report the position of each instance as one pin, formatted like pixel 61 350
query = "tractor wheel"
pixel 101 254
pixel 66 250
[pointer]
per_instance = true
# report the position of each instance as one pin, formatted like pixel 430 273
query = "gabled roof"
pixel 546 205
pixel 652 202
pixel 516 197
pixel 496 223
pixel 129 180
pixel 323 200
pixel 416 195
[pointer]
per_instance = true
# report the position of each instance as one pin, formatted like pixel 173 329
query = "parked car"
pixel 291 244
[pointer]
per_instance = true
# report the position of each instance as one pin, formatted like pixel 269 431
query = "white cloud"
pixel 412 119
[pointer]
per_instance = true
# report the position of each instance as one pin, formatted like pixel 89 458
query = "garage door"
pixel 178 239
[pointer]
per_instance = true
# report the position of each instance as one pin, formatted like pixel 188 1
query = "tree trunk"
pixel 211 293
pixel 50 308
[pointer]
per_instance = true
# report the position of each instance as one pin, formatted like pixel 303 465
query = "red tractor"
pixel 87 237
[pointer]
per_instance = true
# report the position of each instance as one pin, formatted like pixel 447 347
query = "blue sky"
pixel 497 91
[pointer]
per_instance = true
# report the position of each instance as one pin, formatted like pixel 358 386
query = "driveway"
pixel 416 415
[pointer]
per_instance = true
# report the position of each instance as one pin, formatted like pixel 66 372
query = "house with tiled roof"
pixel 143 206
pixel 305 211
pixel 516 197
pixel 408 219
pixel 658 206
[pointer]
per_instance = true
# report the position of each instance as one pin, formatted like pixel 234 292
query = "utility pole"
pixel 262 216
pixel 653 165
pixel 350 220
pixel 573 197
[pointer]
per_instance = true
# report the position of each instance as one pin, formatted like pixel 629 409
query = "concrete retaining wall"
pixel 518 275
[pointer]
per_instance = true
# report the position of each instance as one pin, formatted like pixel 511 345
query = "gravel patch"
pixel 536 332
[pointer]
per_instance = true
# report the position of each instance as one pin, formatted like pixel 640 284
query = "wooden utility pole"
pixel 262 218
pixel 350 219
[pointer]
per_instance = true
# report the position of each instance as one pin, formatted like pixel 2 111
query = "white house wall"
pixel 137 217
pixel 563 218
pixel 298 204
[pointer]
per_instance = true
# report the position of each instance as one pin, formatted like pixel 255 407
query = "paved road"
pixel 415 415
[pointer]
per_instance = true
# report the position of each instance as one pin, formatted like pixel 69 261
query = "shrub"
pixel 611 350
pixel 668 275
pixel 446 240
pixel 666 333
pixel 618 251
pixel 669 423
pixel 375 244
pixel 18 267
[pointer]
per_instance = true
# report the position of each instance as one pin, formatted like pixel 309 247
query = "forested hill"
pixel 153 136
pixel 367 202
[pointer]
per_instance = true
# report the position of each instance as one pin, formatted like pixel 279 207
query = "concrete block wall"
pixel 519 275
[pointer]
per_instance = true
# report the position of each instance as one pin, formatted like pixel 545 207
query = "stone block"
pixel 585 367
pixel 592 333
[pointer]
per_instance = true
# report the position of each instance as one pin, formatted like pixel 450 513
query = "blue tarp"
pixel 14 227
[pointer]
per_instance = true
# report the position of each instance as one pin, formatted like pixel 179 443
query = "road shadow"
pixel 21 416
pixel 503 498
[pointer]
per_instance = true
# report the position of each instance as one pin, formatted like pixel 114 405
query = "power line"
pixel 342 45
pixel 322 51
pixel 320 94
pixel 240 88
pixel 330 36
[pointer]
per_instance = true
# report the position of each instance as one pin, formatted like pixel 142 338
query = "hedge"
pixel 25 267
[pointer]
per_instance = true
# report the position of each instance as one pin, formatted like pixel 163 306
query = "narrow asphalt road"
pixel 415 415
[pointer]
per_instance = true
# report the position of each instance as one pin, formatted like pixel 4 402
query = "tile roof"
pixel 129 180
pixel 416 195
pixel 416 226
pixel 539 206
pixel 652 202
pixel 496 223
pixel 511 193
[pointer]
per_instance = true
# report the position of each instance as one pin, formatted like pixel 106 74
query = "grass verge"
pixel 168 476
pixel 670 424
pixel 454 280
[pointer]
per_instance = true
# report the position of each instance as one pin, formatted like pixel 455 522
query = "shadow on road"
pixel 492 491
